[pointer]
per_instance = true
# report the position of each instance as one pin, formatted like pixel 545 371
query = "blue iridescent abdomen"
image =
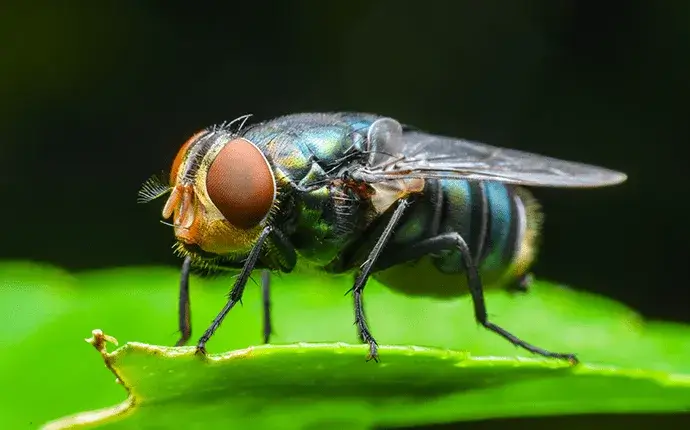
pixel 499 222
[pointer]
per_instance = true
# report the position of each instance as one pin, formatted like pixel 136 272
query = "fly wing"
pixel 397 153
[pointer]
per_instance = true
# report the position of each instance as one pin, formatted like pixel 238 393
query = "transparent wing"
pixel 395 154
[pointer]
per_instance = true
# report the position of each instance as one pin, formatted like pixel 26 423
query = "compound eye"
pixel 241 184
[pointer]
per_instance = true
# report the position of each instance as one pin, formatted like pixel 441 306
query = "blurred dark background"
pixel 95 97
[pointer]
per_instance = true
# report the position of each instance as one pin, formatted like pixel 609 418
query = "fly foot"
pixel 373 351
pixel 572 359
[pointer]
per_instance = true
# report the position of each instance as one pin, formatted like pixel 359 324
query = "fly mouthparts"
pixel 181 205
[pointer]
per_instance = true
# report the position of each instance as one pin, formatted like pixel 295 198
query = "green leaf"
pixel 461 371
pixel 329 385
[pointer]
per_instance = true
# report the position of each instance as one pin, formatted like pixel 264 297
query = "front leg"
pixel 266 302
pixel 184 310
pixel 237 290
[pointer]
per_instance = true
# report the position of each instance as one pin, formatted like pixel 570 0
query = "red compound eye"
pixel 241 184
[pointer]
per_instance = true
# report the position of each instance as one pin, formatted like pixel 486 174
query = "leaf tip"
pixel 99 340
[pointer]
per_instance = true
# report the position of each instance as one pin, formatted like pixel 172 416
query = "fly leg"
pixel 361 280
pixel 266 301
pixel 359 332
pixel 184 310
pixel 235 295
pixel 453 241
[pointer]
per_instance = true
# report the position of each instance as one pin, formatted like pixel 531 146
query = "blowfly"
pixel 360 193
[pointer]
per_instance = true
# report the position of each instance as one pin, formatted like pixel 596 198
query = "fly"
pixel 360 193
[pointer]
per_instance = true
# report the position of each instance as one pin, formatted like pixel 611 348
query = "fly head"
pixel 222 190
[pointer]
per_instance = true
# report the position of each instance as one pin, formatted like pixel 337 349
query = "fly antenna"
pixel 153 188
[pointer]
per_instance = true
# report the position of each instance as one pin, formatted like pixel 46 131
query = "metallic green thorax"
pixel 308 152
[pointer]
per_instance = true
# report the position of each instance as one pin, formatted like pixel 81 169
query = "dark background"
pixel 96 97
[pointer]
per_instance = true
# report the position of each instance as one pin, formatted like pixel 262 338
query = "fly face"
pixel 222 189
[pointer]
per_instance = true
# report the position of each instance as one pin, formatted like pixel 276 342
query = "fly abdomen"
pixel 499 222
